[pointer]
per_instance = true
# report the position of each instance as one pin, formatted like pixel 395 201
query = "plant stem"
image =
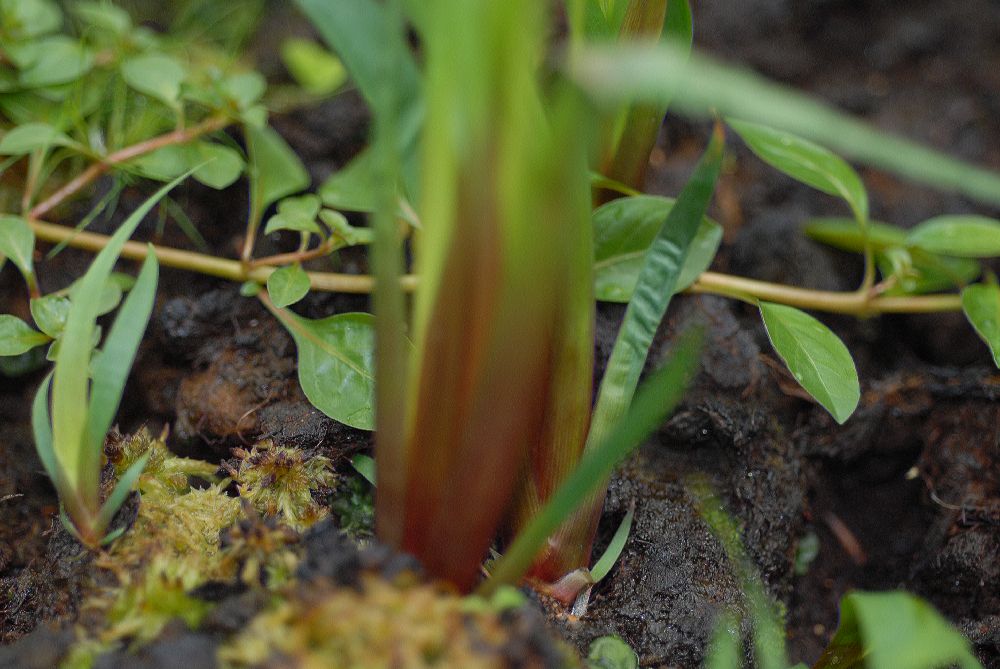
pixel 128 153
pixel 301 255
pixel 208 264
pixel 854 303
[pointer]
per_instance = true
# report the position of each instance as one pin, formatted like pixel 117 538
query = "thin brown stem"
pixel 295 256
pixel 97 169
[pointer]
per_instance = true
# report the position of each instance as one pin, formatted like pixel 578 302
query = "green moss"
pixel 280 481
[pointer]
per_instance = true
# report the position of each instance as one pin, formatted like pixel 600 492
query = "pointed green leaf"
pixel 623 231
pixel 17 243
pixel 17 337
pixel 351 187
pixel 287 285
pixel 894 630
pixel 156 75
pixel 121 491
pixel 364 465
pixel 962 236
pixel 49 314
pixel 815 356
pixel 981 304
pixel 276 170
pixel 41 425
pixel 32 136
pixel 614 550
pixel 336 364
pixel 112 366
pixel 807 162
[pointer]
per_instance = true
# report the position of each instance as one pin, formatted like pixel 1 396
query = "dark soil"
pixel 905 495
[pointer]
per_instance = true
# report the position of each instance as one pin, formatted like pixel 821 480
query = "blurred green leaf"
pixel 17 243
pixel 49 314
pixel 725 649
pixel 806 162
pixel 316 69
pixel 611 652
pixel 33 136
pixel 16 336
pixel 624 229
pixel 347 233
pixel 981 304
pixel 244 88
pixel 21 19
pixel 699 86
pixel 350 188
pixel 296 213
pixel 214 165
pixel 156 75
pixel 287 285
pixel 963 236
pixel 103 16
pixel 894 630
pixel 336 364
pixel 364 465
pixel 50 61
pixel 276 170
pixel 815 356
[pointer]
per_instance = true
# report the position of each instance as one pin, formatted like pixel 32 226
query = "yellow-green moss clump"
pixel 376 625
pixel 280 481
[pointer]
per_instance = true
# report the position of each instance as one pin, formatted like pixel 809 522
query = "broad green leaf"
pixel 344 231
pixel 336 365
pixel 295 213
pixel 156 75
pixel 32 136
pixel 611 652
pixel 16 336
pixel 815 356
pixel 244 88
pixel 316 69
pixel 894 630
pixel 981 304
pixel 701 87
pixel 70 381
pixel 929 272
pixel 112 366
pixel 351 187
pixel 17 243
pixel 20 19
pixel 962 236
pixel 656 285
pixel 49 314
pixel 287 285
pixel 624 229
pixel 53 60
pixel 276 170
pixel 806 162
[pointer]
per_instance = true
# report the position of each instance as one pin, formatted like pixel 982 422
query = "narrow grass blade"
pixel 700 86
pixel 42 427
pixel 111 367
pixel 70 380
pixel 652 404
pixel 614 550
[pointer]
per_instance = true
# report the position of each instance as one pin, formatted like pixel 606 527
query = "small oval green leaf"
pixel 295 213
pixel 16 336
pixel 611 652
pixel 815 356
pixel 17 243
pixel 962 236
pixel 156 75
pixel 287 285
pixel 624 229
pixel 981 304
pixel 807 162
pixel 336 365
pixel 49 314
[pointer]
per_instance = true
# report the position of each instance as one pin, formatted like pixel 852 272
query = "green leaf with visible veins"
pixel 981 304
pixel 815 356
pixel 336 364
pixel 287 285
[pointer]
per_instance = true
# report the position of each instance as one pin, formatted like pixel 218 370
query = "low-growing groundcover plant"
pixel 497 159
